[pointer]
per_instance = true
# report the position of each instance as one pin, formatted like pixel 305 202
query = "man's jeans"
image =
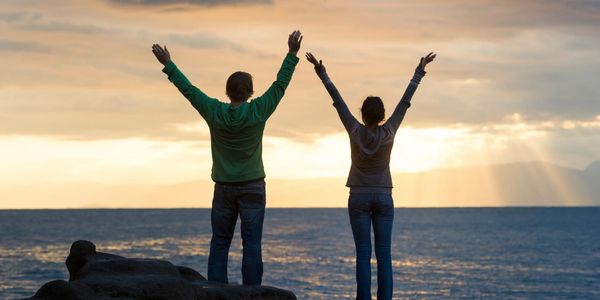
pixel 229 201
pixel 378 209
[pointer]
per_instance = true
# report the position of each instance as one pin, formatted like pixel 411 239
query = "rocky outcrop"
pixel 102 276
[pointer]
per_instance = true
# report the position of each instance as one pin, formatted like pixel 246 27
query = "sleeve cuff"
pixel 419 73
pixel 169 66
pixel 292 58
pixel 323 76
pixel 335 103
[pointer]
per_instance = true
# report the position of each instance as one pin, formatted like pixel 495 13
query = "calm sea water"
pixel 507 253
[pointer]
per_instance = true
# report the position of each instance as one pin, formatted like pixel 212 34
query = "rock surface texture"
pixel 101 276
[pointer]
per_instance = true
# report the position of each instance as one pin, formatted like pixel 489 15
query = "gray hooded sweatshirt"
pixel 370 150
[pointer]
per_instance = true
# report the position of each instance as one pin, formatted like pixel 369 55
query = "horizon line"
pixel 310 207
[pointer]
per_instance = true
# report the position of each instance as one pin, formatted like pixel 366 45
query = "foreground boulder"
pixel 101 276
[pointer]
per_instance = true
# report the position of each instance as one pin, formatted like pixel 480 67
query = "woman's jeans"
pixel 229 201
pixel 378 209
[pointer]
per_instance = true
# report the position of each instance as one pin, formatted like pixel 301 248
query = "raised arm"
pixel 201 102
pixel 338 102
pixel 404 104
pixel 267 102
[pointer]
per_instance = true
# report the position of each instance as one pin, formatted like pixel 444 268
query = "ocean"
pixel 438 253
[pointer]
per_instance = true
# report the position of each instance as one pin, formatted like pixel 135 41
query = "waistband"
pixel 238 183
pixel 370 190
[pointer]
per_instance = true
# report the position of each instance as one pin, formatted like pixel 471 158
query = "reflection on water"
pixel 438 253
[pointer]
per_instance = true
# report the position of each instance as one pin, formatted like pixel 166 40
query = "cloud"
pixel 21 46
pixel 192 2
pixel 494 60
pixel 511 14
pixel 205 41
pixel 63 27
pixel 13 17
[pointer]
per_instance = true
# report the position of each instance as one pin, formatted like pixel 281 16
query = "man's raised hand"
pixel 427 59
pixel 294 40
pixel 162 54
pixel 319 67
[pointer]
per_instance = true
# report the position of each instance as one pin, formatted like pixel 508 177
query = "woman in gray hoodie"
pixel 369 179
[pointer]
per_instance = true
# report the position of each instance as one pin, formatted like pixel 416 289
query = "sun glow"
pixel 86 122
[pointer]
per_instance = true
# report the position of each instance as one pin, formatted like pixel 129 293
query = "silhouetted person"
pixel 236 131
pixel 370 182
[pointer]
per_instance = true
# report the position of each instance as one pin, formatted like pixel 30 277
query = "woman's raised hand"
pixel 427 59
pixel 319 67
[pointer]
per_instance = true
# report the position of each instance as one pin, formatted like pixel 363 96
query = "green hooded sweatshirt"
pixel 235 132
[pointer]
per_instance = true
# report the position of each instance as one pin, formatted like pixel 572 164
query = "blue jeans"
pixel 229 201
pixel 378 209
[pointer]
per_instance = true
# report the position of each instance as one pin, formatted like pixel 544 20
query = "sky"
pixel 83 102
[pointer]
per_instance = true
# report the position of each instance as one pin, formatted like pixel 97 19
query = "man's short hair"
pixel 239 86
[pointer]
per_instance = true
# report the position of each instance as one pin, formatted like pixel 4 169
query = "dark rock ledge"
pixel 101 276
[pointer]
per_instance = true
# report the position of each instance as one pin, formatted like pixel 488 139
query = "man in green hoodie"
pixel 236 131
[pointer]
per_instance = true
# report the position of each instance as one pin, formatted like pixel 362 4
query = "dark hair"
pixel 372 110
pixel 239 86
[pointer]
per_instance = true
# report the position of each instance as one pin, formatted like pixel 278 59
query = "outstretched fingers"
pixel 313 60
pixel 427 59
pixel 430 57
pixel 157 49
pixel 294 41
pixel 296 36
pixel 310 58
pixel 317 63
pixel 162 54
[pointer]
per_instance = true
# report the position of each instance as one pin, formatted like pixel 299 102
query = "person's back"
pixel 236 140
pixel 236 131
pixel 370 152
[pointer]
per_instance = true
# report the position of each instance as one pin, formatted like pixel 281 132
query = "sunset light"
pixel 85 102
pixel 284 150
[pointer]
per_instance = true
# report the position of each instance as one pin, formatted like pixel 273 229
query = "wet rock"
pixel 95 275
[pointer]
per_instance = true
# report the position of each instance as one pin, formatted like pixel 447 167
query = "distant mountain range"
pixel 515 184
